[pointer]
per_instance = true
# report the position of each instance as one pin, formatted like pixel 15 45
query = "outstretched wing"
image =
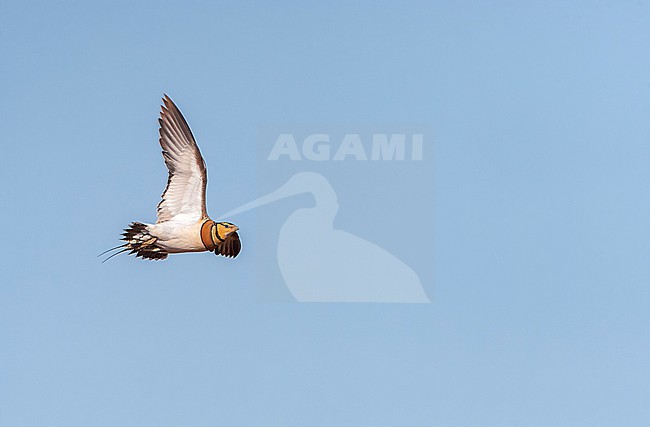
pixel 184 197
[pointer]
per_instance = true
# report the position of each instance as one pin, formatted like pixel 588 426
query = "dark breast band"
pixel 206 235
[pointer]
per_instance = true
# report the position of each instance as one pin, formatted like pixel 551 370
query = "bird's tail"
pixel 138 242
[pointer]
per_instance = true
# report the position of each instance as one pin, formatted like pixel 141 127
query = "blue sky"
pixel 540 250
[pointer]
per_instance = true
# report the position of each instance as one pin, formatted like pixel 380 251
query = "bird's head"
pixel 222 230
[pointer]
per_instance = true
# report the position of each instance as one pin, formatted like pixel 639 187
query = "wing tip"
pixel 168 102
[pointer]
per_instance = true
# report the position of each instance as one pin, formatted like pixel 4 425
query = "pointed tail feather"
pixel 140 242
pixel 115 254
pixel 111 249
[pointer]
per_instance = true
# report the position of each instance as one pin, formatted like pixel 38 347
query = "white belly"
pixel 174 237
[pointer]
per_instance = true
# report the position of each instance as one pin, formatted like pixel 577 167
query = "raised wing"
pixel 184 197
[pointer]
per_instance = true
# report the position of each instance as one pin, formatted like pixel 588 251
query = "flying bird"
pixel 183 223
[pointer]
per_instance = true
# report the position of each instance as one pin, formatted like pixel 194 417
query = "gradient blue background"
pixel 542 233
